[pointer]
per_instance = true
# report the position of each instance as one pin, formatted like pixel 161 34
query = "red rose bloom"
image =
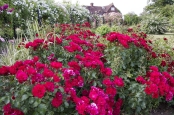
pixel 107 82
pixel 48 73
pixel 56 65
pixel 56 78
pixel 21 76
pixel 7 108
pixel 38 91
pixel 154 68
pixel 35 58
pixel 12 69
pixel 17 112
pixel 118 105
pixel 49 86
pixel 106 71
pixel 111 91
pixel 141 80
pixel 154 55
pixel 165 38
pixel 163 63
pixel 118 81
pixel 3 70
pixel 56 102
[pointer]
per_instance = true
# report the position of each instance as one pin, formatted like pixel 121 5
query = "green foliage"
pixel 131 19
pixel 11 52
pixel 163 2
pixel 130 63
pixel 136 101
pixel 162 46
pixel 103 30
pixel 171 27
pixel 167 11
pixel 120 28
pixel 155 24
pixel 47 11
pixel 163 7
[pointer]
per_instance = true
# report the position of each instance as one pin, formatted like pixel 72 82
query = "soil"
pixel 163 109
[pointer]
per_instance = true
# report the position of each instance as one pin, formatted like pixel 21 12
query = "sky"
pixel 125 6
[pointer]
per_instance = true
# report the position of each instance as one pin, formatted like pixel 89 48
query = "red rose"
pixel 38 91
pixel 21 76
pixel 141 80
pixel 165 38
pixel 56 65
pixel 118 81
pixel 154 55
pixel 58 95
pixel 163 63
pixel 12 70
pixel 74 65
pixel 56 78
pixel 117 108
pixel 107 82
pixel 48 73
pixel 106 71
pixel 111 91
pixel 35 58
pixel 17 112
pixel 7 108
pixel 49 86
pixel 58 40
pixel 56 102
pixel 154 68
pixel 3 70
pixel 93 93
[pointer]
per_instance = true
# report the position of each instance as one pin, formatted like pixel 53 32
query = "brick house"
pixel 102 9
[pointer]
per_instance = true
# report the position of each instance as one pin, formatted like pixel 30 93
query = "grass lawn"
pixel 166 35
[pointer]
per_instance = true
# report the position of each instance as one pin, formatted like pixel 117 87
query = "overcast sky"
pixel 125 6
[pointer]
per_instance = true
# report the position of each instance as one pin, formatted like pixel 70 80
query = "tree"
pixel 131 19
pixel 161 2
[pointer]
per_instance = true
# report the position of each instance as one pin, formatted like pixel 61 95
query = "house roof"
pixel 94 9
pixel 108 7
pixel 100 9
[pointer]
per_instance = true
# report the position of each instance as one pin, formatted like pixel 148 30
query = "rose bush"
pixel 65 76
pixel 74 71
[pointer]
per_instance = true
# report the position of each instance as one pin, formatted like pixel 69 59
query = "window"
pixel 112 9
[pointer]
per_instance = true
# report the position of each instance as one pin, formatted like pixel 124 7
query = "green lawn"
pixel 166 35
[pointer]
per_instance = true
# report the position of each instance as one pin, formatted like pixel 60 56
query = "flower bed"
pixel 77 72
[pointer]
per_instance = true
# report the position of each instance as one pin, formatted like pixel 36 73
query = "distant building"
pixel 102 9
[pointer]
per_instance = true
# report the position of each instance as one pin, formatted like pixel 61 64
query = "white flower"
pixel 2 39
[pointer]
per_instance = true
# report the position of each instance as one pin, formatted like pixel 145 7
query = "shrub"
pixel 103 30
pixel 154 24
pixel 76 72
pixel 131 19
pixel 64 76
pixel 115 18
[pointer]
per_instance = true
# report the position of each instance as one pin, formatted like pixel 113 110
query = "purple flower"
pixel 11 10
pixel 5 7
pixel 1 8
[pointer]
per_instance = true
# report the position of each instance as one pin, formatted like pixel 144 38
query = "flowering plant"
pixel 69 77
pixel 74 71
pixel 5 7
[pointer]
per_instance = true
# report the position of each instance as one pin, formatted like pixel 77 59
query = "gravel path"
pixel 163 109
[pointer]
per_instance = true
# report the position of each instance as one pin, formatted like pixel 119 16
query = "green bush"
pixel 155 24
pixel 103 30
pixel 121 29
pixel 131 19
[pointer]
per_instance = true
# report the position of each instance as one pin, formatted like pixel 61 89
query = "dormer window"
pixel 112 8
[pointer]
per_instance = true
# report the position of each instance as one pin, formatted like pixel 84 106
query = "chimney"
pixel 91 4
